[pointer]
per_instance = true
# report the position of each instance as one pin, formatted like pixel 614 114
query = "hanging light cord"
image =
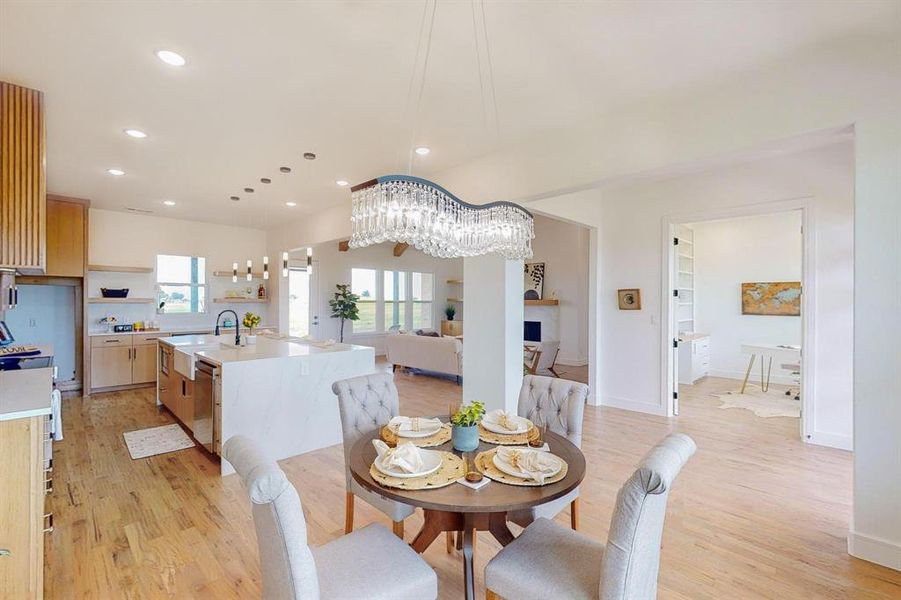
pixel 425 68
pixel 497 123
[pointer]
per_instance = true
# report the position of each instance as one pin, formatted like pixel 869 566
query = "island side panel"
pixel 285 406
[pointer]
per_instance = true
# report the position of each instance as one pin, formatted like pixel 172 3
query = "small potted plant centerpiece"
pixel 450 311
pixel 250 321
pixel 465 432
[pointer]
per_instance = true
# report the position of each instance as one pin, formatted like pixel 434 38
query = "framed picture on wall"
pixel 533 281
pixel 773 298
pixel 629 299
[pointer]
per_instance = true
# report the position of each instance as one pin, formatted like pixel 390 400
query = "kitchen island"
pixel 276 392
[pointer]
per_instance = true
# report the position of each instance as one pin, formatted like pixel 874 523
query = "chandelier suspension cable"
pixel 497 122
pixel 475 35
pixel 425 67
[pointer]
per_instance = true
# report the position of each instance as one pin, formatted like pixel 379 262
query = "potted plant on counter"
pixel 465 432
pixel 250 321
pixel 450 311
pixel 344 306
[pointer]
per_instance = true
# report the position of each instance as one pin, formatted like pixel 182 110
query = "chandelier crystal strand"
pixel 410 210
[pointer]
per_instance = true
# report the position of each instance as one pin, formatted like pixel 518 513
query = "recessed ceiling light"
pixel 265 180
pixel 171 58
pixel 422 151
pixel 116 172
pixel 235 198
pixel 341 182
pixel 309 156
pixel 169 202
pixel 291 204
pixel 248 190
pixel 135 133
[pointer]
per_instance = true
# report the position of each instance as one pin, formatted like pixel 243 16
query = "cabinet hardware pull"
pixel 111 341
pixel 49 522
pixel 16 290
pixel 48 485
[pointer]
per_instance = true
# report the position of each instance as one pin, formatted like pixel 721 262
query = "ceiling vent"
pixel 142 211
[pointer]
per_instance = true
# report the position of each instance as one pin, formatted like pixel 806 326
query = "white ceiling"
pixel 267 81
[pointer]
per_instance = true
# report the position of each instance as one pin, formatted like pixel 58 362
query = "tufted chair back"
pixel 286 562
pixel 366 403
pixel 557 404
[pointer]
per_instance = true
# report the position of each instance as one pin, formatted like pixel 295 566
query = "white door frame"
pixel 808 297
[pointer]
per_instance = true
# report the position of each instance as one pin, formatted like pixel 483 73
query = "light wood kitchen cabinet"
pixel 22 519
pixel 111 366
pixel 123 360
pixel 184 406
pixel 23 193
pixel 143 368
pixel 66 227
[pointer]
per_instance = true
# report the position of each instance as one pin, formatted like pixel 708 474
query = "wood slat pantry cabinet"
pixel 23 180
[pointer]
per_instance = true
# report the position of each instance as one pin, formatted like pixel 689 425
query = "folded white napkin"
pixel 536 464
pixel 405 457
pixel 413 423
pixel 504 419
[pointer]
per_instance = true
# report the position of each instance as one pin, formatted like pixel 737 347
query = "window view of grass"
pixel 406 300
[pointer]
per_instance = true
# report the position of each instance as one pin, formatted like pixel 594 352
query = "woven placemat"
pixel 442 437
pixel 506 439
pixel 452 469
pixel 485 465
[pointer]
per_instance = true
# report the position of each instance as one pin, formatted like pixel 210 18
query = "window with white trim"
pixel 181 284
pixel 392 300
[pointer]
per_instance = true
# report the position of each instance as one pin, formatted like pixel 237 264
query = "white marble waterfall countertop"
pixel 25 393
pixel 221 349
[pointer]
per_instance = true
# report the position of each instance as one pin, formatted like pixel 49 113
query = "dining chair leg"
pixel 348 512
pixel 489 595
pixel 574 514
pixel 449 535
pixel 399 529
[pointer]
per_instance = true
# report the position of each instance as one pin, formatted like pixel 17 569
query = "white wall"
pixel 334 267
pixel 563 247
pixel 735 251
pixel 629 217
pixel 125 239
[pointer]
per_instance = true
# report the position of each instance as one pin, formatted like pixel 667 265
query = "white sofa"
pixel 439 354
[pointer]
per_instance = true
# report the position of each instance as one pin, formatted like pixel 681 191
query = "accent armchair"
pixel 550 561
pixel 369 563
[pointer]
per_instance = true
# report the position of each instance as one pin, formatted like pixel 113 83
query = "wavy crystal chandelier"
pixel 410 210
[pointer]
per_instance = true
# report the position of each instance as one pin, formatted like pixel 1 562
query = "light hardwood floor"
pixel 755 513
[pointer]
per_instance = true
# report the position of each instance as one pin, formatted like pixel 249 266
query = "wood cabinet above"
pixel 23 180
pixel 66 236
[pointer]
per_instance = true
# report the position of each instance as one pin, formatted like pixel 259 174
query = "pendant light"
pixel 234 272
pixel 284 264
pixel 309 260
pixel 265 267
pixel 249 270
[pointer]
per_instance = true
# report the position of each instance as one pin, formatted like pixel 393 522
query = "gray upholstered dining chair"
pixel 369 563
pixel 550 561
pixel 367 403
pixel 559 405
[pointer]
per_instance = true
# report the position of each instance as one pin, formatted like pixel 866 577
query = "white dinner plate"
pixel 431 462
pixel 424 431
pixel 511 470
pixel 523 425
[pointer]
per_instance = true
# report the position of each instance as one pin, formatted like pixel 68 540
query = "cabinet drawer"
pixel 143 339
pixel 110 341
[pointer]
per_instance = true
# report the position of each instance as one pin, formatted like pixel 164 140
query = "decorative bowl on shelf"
pixel 114 292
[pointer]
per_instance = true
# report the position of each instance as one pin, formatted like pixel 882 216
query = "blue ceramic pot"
pixel 466 439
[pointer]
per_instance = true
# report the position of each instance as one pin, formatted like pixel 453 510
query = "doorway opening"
pixel 738 317
pixel 303 295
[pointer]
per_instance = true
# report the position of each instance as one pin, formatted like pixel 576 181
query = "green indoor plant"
pixel 449 311
pixel 465 432
pixel 344 306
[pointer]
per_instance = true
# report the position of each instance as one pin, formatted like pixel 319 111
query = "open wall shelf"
pixel 118 269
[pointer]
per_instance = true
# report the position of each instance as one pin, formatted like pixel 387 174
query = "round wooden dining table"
pixel 460 508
